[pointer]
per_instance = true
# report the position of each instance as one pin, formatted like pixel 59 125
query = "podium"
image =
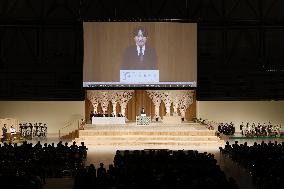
pixel 143 120
pixel 108 120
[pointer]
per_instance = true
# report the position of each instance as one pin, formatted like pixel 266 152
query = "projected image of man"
pixel 139 56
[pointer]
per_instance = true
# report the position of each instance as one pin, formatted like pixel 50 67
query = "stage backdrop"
pixel 141 99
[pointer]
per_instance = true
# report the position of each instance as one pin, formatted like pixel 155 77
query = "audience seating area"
pixel 156 169
pixel 264 162
pixel 26 166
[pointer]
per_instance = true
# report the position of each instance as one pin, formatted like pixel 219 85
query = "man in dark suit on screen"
pixel 139 56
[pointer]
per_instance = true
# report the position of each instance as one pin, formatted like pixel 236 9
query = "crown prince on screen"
pixel 140 54
pixel 139 62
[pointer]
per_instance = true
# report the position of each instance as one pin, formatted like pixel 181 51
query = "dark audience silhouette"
pixel 26 166
pixel 264 162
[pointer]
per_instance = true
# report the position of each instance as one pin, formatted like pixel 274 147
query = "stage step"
pixel 150 142
pixel 186 135
pixel 149 138
pixel 146 140
pixel 144 133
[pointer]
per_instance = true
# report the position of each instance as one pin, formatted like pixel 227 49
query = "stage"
pixel 155 135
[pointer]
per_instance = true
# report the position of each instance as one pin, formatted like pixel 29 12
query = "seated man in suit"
pixel 139 56
pixel 105 114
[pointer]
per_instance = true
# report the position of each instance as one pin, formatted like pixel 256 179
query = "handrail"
pixel 70 127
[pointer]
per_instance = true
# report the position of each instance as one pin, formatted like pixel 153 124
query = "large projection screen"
pixel 139 53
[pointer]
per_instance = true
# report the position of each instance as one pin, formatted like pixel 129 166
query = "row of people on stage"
pixel 29 130
pixel 99 114
pixel 260 129
pixel 26 130
pixel 9 133
pixel 112 114
pixel 5 130
pixel 226 128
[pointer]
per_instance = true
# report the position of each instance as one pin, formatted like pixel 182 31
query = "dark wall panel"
pixel 41 62
pixel 240 63
pixel 240 45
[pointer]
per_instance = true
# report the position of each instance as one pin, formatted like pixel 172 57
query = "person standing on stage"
pixel 4 130
pixel 12 130
pixel 143 112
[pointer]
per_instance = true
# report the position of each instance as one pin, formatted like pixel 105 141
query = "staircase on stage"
pixel 154 135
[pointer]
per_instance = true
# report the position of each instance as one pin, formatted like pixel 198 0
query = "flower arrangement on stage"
pixel 208 124
pixel 82 124
pixel 199 120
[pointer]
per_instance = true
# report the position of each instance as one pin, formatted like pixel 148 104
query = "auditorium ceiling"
pixel 239 57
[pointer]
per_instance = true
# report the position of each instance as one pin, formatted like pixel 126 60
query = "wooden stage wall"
pixel 140 99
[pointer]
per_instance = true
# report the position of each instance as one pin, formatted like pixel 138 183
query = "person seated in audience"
pixel 101 172
pixel 92 175
pixel 83 150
